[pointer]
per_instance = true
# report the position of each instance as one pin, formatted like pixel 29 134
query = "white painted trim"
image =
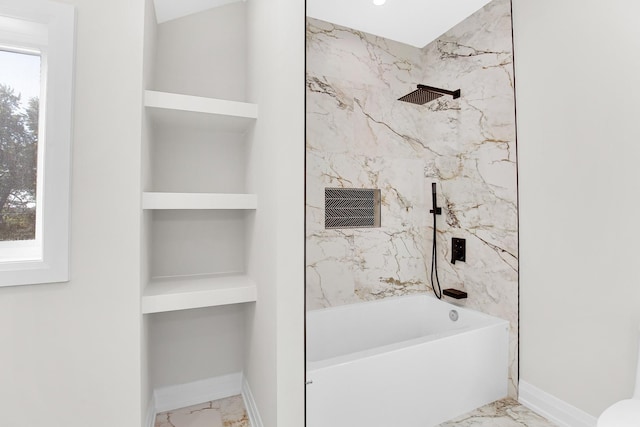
pixel 151 413
pixel 552 408
pixel 250 405
pixel 199 104
pixel 183 395
pixel 185 292
pixel 56 113
pixel 156 200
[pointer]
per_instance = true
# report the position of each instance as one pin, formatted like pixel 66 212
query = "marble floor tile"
pixel 229 412
pixel 503 413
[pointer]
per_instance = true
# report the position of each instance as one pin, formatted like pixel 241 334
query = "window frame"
pixel 49 29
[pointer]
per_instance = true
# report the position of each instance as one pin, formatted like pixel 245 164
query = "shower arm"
pixel 454 93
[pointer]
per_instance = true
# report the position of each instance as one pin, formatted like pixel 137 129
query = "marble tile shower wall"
pixel 360 136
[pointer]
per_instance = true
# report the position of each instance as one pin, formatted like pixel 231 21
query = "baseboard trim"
pixel 183 395
pixel 552 408
pixel 151 413
pixel 250 404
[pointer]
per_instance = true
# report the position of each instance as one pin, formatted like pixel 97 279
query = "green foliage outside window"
pixel 18 165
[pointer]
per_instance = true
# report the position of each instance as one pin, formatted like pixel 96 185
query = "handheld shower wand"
pixel 434 263
pixel 436 210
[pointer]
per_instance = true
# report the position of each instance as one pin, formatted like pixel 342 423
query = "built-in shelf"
pixel 181 293
pixel 197 112
pixel 153 200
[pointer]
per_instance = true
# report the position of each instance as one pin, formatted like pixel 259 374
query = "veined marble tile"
pixel 503 413
pixel 228 412
pixel 360 136
pixel 359 57
pixel 327 98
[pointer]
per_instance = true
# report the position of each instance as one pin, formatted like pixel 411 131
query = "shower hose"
pixel 435 281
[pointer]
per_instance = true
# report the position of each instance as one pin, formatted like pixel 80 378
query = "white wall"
pixel 204 54
pixel 70 352
pixel 577 68
pixel 192 345
pixel 274 364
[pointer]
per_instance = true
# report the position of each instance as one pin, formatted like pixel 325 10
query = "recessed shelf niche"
pixel 196 210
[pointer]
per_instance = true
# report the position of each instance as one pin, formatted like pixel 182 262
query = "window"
pixel 19 154
pixel 36 75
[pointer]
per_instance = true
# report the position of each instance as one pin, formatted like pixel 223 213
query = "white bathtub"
pixel 402 362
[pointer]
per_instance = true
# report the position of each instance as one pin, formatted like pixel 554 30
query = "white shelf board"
pixel 198 112
pixel 187 292
pixel 199 104
pixel 154 200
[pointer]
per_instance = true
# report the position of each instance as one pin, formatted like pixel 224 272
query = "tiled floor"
pixel 231 412
pixel 503 413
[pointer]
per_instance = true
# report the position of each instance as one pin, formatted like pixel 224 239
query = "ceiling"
pixel 166 10
pixel 414 22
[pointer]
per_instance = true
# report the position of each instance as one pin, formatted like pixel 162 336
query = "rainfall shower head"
pixel 425 94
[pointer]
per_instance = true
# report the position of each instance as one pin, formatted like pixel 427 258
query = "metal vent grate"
pixel 351 208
